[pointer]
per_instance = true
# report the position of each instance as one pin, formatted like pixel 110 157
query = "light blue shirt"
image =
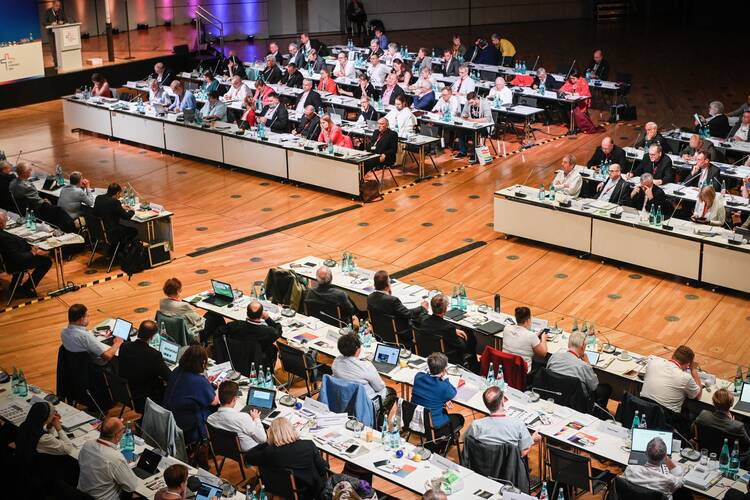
pixel 76 338
pixel 501 430
pixel 186 102
pixel 217 109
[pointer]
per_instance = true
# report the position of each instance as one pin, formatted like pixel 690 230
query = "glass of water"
pixel 704 457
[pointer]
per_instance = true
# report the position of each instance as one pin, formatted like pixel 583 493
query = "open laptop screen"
pixel 641 437
pixel 223 289
pixel 260 398
pixel 169 350
pixel 386 354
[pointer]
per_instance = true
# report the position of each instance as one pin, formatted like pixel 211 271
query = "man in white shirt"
pixel 377 71
pixel 519 339
pixel 568 180
pixel 214 109
pixel 659 473
pixel 237 90
pixel 669 382
pixel 247 426
pixel 349 366
pixel 464 85
pixel 741 130
pixel 613 189
pixel 499 428
pixel 76 338
pixel 105 473
pixel 401 119
pixel 447 102
pixel 157 94
pixel 392 53
pixel 501 92
pixel 344 68
pixel 74 195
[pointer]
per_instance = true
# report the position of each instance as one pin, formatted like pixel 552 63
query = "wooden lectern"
pixel 66 40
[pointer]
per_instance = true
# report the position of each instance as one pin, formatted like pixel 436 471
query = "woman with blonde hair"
pixel 330 131
pixel 709 208
pixel 285 450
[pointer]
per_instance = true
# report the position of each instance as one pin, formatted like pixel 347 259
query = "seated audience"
pixel 293 77
pixel 366 111
pixel 422 60
pixel 329 131
pixel 108 208
pixel 652 136
pixel 76 338
pixel 424 98
pixel 344 68
pixel 745 106
pixel 157 94
pixel 308 125
pixel 709 208
pixel 659 473
pixel 574 363
pixel 184 100
pixel 607 154
pixel 449 64
pixel 457 48
pixel 434 392
pixel 425 76
pixel 402 72
pixel 173 305
pixel 381 38
pixel 476 110
pixel 210 84
pixel 237 90
pixel 598 67
pixel 519 339
pixel 326 294
pixel 615 189
pixel 716 122
pixel 447 102
pixel 575 86
pixel 308 97
pixel 458 343
pixel 391 90
pixel 248 120
pixel 214 109
pixel 100 86
pixel 669 381
pixel 375 49
pixel 233 65
pixel 741 130
pixel 262 93
pixel 382 302
pixel 499 428
pixel 273 51
pixel 105 473
pixel 163 75
pixel 657 164
pixel 384 143
pixel 695 145
pixel 175 483
pixel 647 194
pixel 326 83
pixel 18 254
pixel 736 214
pixel 271 74
pixel 75 195
pixel 464 85
pixel 568 180
pixel 247 426
pixel 501 92
pixel 704 173
pixel 392 54
pixel 543 78
pixel 401 118
pixel 257 327
pixel 143 367
pixel 364 88
pixel 721 419
pixel 314 62
pixel 274 115
pixel 27 197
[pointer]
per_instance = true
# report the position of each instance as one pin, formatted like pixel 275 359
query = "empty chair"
pixel 297 364
pixel 574 473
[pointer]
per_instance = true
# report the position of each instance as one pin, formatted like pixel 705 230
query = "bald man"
pixel 162 74
pixel 308 125
pixel 608 153
pixel 326 295
pixel 105 473
pixel 257 327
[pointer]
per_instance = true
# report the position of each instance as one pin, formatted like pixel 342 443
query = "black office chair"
pixel 382 168
pixel 425 344
pixel 243 353
pixel 625 490
pixel 384 328
pixel 119 391
pixel 324 312
pixel 226 444
pixel 566 391
pixel 497 461
pixel 574 472
pixel 279 483
pixel 710 438
pixel 429 435
pixel 16 277
pixel 296 364
pixel 629 404
pixel 73 376
pixel 98 235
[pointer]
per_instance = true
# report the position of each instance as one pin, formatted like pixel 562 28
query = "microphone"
pixel 18 158
pixel 156 445
pixel 670 227
pixel 424 451
pixel 683 183
pixel 533 394
pixel 632 160
pixel 231 374
pixel 343 324
pixel 519 193
pixel 535 63
pixel 101 413
pixel 597 405
pixel 567 75
pixel 618 215
pixel 690 453
pixel 735 163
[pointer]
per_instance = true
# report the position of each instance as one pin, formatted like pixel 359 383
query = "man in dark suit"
pixel 741 129
pixel 381 302
pixel 273 50
pixel 366 111
pixel 6 203
pixel 296 56
pixel 108 208
pixel 162 74
pixel 598 67
pixel 233 65
pixel 307 44
pixel 272 73
pixel 258 327
pixel 647 195
pixel 18 254
pixel 607 154
pixel 292 78
pixel 314 62
pixel 325 294
pixel 27 197
pixel 542 76
pixel 309 125
pixel 487 54
pixel 274 115
pixel 384 143
pixel 308 97
pixel 615 189
pixel 450 64
pixel 458 344
pixel 657 164
pixel 704 172
pixel 143 367
pixel 55 14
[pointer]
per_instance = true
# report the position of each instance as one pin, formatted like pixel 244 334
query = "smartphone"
pixel 102 328
pixel 309 264
pixel 482 494
pixel 380 463
pixel 352 449
pixel 273 414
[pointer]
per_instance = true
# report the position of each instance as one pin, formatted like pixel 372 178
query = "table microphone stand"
pixel 127 28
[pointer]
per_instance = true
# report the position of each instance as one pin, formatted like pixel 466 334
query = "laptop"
pixel 170 351
pixel 639 442
pixel 223 294
pixel 50 184
pixel 385 358
pixel 261 399
pixel 122 329
pixel 593 357
pixel 147 464
pixel 743 404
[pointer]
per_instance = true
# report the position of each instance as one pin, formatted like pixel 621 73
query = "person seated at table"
pixel 175 483
pixel 653 136
pixel 434 392
pixel 659 473
pixel 27 195
pixel 484 53
pixel 575 86
pixel 741 130
pixel 391 90
pixel 716 122
pixel 143 366
pixel 75 195
pixel 329 131
pixel 173 305
pixel 401 118
pixel 424 98
pixel 447 102
pixel 384 143
pixel 403 74
pixel 162 75
pixel 274 115
pixel 381 38
pixel 284 450
pixel 377 71
pixel 647 194
pixel 258 327
pixel 374 49
pixel 504 47
pixel 709 208
pixel 669 381
pixel 704 173
pixel 273 50
pixel 292 78
pixel 210 83
pixel 189 394
pixel 501 92
pixel 325 293
pixel 449 64
pixel 349 366
pixel 105 473
pixel 607 154
pixel 615 189
pixel 520 340
pixel 248 118
pixel 382 302
pixel 425 76
pixel 307 44
pixel 157 94
pixel 183 99
pixel 721 420
pixel 422 60
pixel 568 180
pixel 366 111
pixel 736 214
pixel 476 110
pixel 657 164
pixel 458 344
pixel 309 125
pixel 314 62
pixel 344 68
pixel 247 426
pixel 598 68
pixel 463 85
pixel 271 74
pixel 214 109
pixel 363 88
pixel 696 144
pixel 77 338
pixel 574 362
pixel 542 77
pixel 308 97
pixel 108 208
pixel 18 254
pixel 457 48
pixel 296 56
pixel 392 54
pixel 100 86
pixel 499 428
pixel 238 90
pixel 326 83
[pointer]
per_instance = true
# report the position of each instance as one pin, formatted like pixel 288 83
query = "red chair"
pixel 347 142
pixel 514 366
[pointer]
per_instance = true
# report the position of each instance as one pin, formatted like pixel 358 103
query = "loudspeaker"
pixel 158 254
pixel 622 112
pixel 181 49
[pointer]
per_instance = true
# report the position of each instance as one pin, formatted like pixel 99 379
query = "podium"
pixel 66 46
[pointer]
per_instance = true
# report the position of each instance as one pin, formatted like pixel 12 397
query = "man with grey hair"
pixel 659 473
pixel 271 74
pixel 375 48
pixel 392 53
pixel 74 195
pixel 325 294
pixel 105 473
pixel 653 136
pixel 647 195
pixel 716 121
pixel 296 56
pixel 568 180
pixel 574 362
pixel 434 392
pixel 308 97
pixel 458 344
pixel 657 164
pixel 27 195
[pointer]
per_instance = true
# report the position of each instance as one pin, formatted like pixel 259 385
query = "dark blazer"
pixel 110 210
pixel 658 139
pixel 309 127
pixel 280 120
pixel 313 99
pixel 619 193
pixel 616 156
pixel 735 129
pixel 370 115
pixel 144 369
pixel 6 202
pixel 271 75
pixel 302 457
pixel 264 334
pixel 662 169
pixel 397 91
pixel 718 126
pixel 450 68
pixel 387 145
pixel 167 77
pixel 371 91
pixel 298 59
pixel 712 178
pixel 294 81
pixel 14 249
pixel 549 83
pixel 326 294
pixel 317 65
pixel 659 200
pixel 237 61
pixel 488 55
pixel 279 58
pixel 379 303
pixel 52 16
pixel 441 327
pixel 732 429
pixel 602 72
pixel 708 147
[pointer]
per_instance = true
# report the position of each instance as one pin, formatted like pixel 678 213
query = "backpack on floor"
pixel 133 258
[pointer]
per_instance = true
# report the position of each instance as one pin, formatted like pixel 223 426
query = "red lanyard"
pixel 676 364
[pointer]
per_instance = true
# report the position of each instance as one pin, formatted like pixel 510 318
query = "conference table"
pixel 728 170
pixel 678 137
pixel 279 155
pixel 694 251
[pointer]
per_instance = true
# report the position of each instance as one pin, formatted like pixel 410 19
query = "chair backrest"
pixel 20 204
pixel 407 413
pixel 514 366
pixel 119 389
pixel 426 344
pixel 502 461
pixel 315 309
pixel 292 360
pixel 711 438
pixel 383 326
pixel 243 353
pixel 629 404
pixel 625 490
pixel 175 326
pixel 570 469
pixel 571 390
pixel 160 430
pixel 95 227
pixel 284 286
pixel 344 396
pixel 73 375
pixel 225 443
pixel 279 482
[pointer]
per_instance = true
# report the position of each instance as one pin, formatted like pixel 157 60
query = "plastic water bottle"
pixel 542 88
pixel 14 381
pixel 575 325
pixel 23 388
pixel 330 146
pixel 127 444
pixel 27 219
pixel 269 378
pixel 253 373
pixel 250 494
pixel 384 436
pixel 723 188
pixel 541 192
pixel 139 105
pixel 652 215
pixel 454 298
pixel 433 53
pixel 395 435
pixel 643 424
pixel 490 375
pixel 32 221
pixel 262 495
pixel 260 378
pixel 734 461
pixel 500 378
pixel 380 103
pixel 636 421
pixel 659 217
pixel 543 493
pixel 552 192
pixel 59 178
pixel 446 113
pixel 463 299
pixel 724 458
pixel 561 495
pixel 738 380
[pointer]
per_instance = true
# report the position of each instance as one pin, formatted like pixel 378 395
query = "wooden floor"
pixel 637 309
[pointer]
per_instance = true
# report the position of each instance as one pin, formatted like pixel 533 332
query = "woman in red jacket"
pixel 329 130
pixel 248 116
pixel 326 82
pixel 100 86
pixel 577 86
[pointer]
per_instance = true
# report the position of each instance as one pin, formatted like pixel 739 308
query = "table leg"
pixel 59 269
